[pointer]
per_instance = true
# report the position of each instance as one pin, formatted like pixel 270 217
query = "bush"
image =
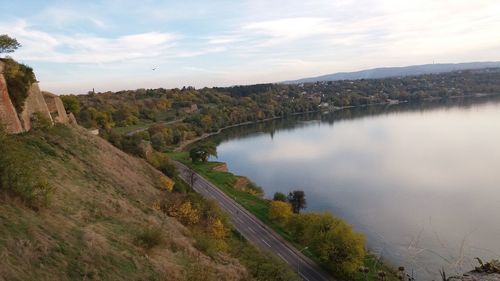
pixel 280 211
pixel 331 240
pixel 40 122
pixel 149 238
pixel 19 78
pixel 263 266
pixel 158 142
pixel 133 145
pixel 71 104
pixel 278 196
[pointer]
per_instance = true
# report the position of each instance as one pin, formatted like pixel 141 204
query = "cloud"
pixel 62 17
pixel 251 41
pixel 42 46
pixel 291 28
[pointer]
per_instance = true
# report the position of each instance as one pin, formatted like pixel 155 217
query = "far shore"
pixel 186 143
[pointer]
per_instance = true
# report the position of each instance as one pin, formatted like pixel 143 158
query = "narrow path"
pixel 254 230
pixel 149 125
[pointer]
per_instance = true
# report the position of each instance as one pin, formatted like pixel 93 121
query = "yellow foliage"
pixel 157 205
pixel 167 183
pixel 206 121
pixel 280 211
pixel 185 213
pixel 216 229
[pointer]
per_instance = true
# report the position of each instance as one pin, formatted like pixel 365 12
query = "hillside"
pixel 385 72
pixel 99 218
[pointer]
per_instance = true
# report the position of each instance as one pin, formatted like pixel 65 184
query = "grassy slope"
pixel 102 201
pixel 260 207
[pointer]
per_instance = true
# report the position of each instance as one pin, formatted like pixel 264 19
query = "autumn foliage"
pixel 280 211
pixel 166 183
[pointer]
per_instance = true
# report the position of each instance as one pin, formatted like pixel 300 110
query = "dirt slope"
pixel 102 202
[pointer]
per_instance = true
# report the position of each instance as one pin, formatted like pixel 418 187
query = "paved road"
pixel 254 230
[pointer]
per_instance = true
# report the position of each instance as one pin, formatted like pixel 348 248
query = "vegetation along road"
pixel 253 229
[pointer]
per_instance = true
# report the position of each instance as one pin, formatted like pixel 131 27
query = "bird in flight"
pixel 154 68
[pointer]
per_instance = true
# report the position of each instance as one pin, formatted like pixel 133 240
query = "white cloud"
pixel 251 41
pixel 41 46
pixel 63 16
pixel 291 28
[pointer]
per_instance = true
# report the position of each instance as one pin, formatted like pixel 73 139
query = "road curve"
pixel 254 230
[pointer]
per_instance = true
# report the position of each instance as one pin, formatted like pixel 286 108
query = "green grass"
pixel 260 207
pixel 224 181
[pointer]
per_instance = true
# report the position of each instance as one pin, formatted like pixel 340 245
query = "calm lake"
pixel 422 182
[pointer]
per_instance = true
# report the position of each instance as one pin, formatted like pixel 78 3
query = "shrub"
pixel 166 183
pixel 280 211
pixel 263 266
pixel 133 145
pixel 71 104
pixel 149 238
pixel 158 142
pixel 40 122
pixel 181 208
pixel 333 241
pixel 19 78
pixel 161 162
pixel 254 189
pixel 278 196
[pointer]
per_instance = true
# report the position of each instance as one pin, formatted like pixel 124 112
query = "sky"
pixel 77 46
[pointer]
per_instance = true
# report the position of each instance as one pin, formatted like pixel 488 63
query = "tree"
pixel 71 104
pixel 298 200
pixel 158 142
pixel 335 244
pixel 8 44
pixel 202 152
pixel 280 211
pixel 278 196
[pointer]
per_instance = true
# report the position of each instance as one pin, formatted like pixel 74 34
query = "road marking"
pixel 227 202
pixel 283 258
pixel 266 243
pixel 303 276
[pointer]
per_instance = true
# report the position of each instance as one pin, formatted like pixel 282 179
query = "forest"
pixel 170 117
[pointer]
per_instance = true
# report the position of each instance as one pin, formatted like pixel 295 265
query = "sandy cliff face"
pixel 8 114
pixel 56 108
pixel 34 103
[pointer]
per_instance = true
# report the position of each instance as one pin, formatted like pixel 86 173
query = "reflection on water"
pixel 421 181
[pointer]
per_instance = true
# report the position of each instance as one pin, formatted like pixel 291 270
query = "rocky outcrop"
pixel 56 108
pixel 222 167
pixel 48 105
pixel 241 183
pixel 8 114
pixel 34 103
pixel 72 119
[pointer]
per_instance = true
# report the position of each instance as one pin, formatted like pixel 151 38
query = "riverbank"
pixel 186 143
pixel 259 207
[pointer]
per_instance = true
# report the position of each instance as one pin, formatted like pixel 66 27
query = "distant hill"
pixel 385 72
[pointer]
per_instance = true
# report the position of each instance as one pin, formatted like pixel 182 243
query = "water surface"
pixel 422 182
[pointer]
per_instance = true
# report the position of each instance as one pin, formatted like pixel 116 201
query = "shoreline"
pixel 372 260
pixel 186 143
